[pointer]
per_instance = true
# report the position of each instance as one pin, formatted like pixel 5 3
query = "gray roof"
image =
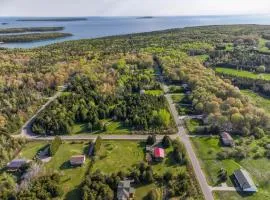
pixel 16 163
pixel 243 179
pixel 124 190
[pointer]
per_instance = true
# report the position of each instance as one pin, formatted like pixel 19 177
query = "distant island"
pixel 31 37
pixel 145 17
pixel 63 19
pixel 30 29
pixel 4 23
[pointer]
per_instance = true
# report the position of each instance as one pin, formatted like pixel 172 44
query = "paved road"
pixel 206 189
pixel 26 129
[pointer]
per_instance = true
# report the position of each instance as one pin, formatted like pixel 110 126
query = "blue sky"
pixel 131 7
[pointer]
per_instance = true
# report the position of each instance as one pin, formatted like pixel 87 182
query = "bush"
pixel 258 133
pixel 166 141
pixel 151 140
pixel 152 195
pixel 54 146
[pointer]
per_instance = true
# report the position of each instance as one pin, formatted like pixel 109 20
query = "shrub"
pixel 166 141
pixel 151 140
pixel 54 146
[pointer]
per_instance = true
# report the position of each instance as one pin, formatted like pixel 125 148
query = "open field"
pixel 143 190
pixel 256 99
pixel 242 73
pixel 119 155
pixel 71 176
pixel 206 149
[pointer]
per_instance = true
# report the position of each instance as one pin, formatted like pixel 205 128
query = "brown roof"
pixel 78 159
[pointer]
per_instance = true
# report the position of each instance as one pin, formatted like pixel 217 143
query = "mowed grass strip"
pixel 242 73
pixel 115 156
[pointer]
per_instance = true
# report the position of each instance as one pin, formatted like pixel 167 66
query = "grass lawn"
pixel 119 155
pixel 242 73
pixel 143 190
pixel 206 149
pixel 113 127
pixel 31 149
pixel 168 164
pixel 178 97
pixel 192 125
pixel 71 176
pixel 154 92
pixel 256 99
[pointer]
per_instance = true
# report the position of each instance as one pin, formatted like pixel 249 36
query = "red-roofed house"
pixel 159 154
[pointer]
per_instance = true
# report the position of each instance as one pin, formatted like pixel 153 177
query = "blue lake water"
pixel 95 27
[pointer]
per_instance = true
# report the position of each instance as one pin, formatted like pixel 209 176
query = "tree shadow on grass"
pixel 66 165
pixel 74 194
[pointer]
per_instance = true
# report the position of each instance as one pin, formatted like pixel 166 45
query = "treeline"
pixel 31 37
pixel 30 29
pixel 42 187
pixel 9 146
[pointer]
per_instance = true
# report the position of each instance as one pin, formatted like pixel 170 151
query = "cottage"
pixel 77 160
pixel 159 153
pixel 16 164
pixel 125 191
pixel 244 181
pixel 226 139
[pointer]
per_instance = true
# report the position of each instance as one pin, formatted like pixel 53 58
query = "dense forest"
pixel 30 29
pixel 32 37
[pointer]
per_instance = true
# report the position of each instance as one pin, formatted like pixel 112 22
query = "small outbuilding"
pixel 159 153
pixel 226 139
pixel 77 160
pixel 125 191
pixel 16 164
pixel 244 181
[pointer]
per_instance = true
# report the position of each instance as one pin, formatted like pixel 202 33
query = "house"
pixel 16 164
pixel 142 92
pixel 125 191
pixel 244 181
pixel 159 153
pixel 77 160
pixel 226 139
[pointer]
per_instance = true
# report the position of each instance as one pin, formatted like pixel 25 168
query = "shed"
pixel 77 160
pixel 244 181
